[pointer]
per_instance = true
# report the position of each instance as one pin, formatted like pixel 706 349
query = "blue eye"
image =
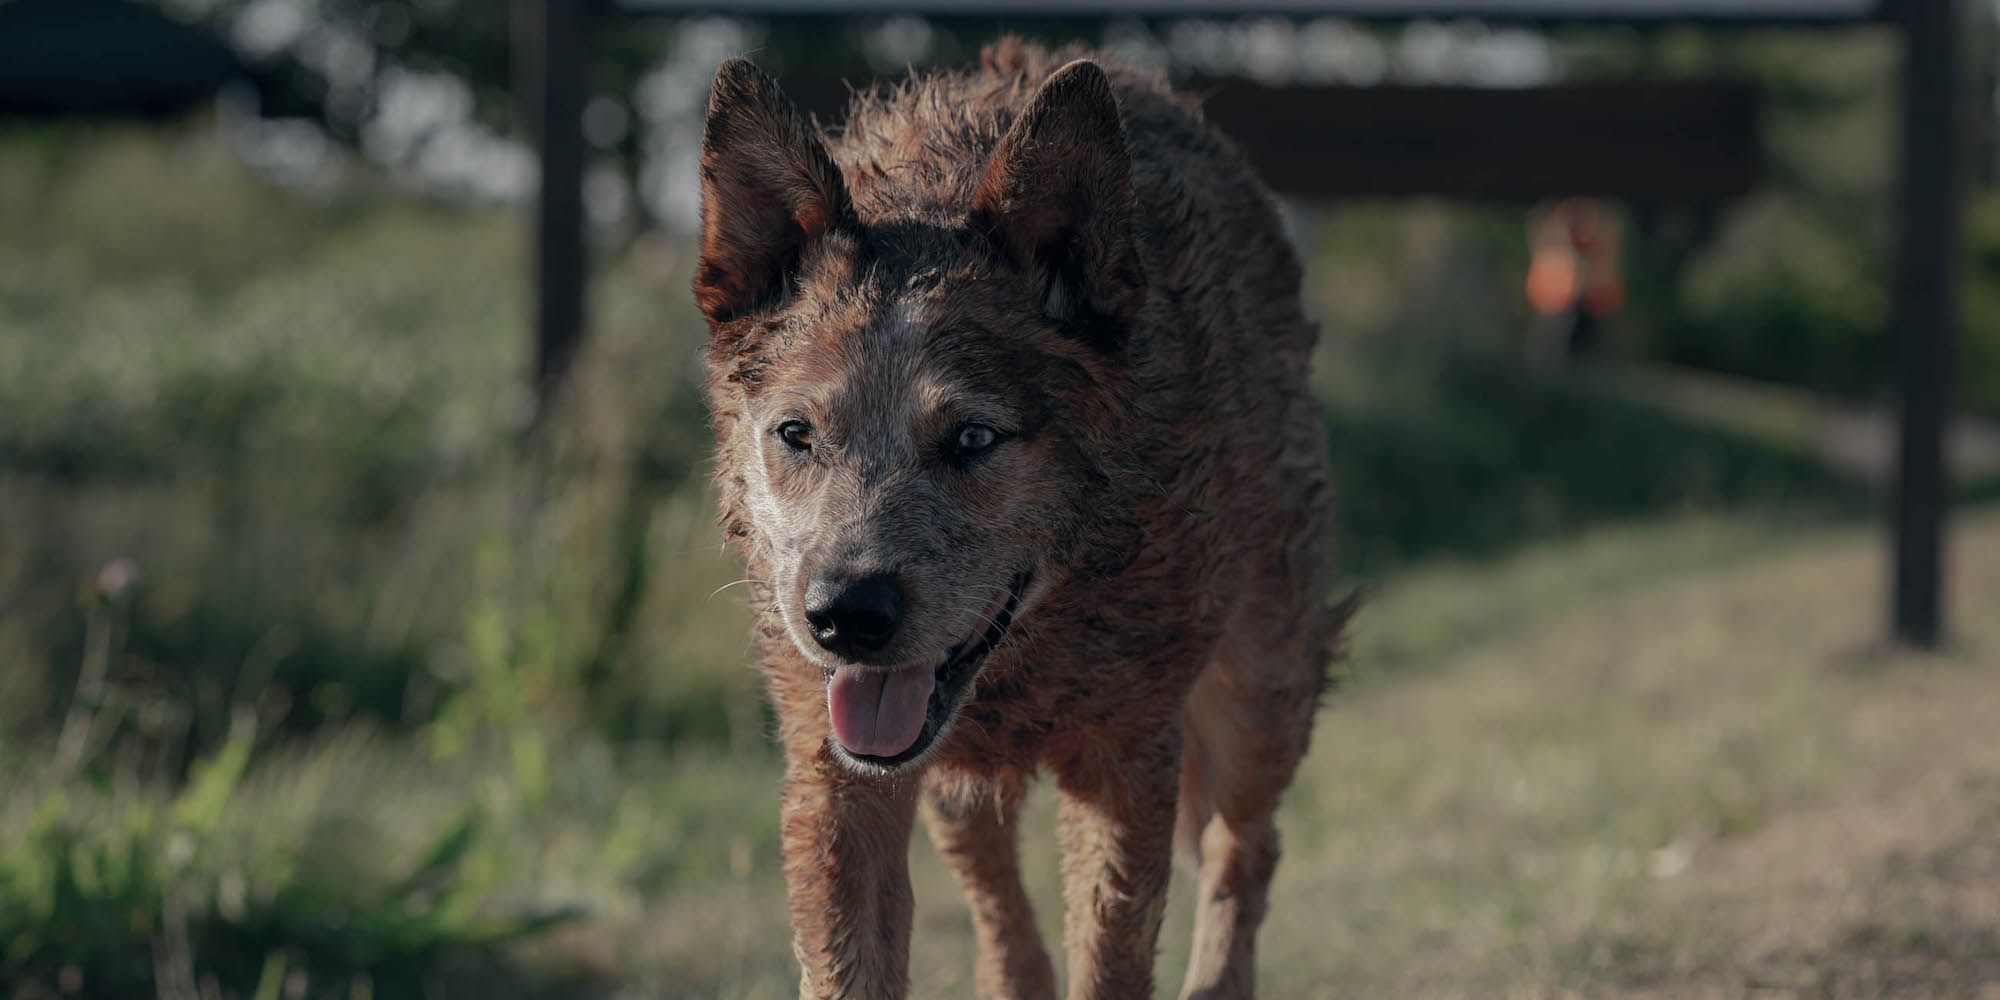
pixel 976 438
pixel 973 440
pixel 797 435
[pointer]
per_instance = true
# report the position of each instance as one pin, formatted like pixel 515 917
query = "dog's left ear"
pixel 1057 199
pixel 769 191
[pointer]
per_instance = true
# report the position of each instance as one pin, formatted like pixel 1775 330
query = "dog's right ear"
pixel 768 191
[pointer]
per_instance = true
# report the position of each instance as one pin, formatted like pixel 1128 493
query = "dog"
pixel 1008 377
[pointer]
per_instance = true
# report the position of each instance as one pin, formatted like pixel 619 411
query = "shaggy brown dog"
pixel 1009 381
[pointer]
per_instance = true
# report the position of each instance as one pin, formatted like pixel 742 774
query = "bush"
pixel 118 892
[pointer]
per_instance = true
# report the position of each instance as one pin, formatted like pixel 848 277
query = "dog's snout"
pixel 854 617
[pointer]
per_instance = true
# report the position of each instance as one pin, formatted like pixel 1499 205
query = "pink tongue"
pixel 878 713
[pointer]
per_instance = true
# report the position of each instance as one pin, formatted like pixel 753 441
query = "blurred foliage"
pixel 331 54
pixel 1979 361
pixel 261 489
pixel 1492 459
pixel 1444 445
pixel 328 57
pixel 1791 286
pixel 312 463
pixel 116 893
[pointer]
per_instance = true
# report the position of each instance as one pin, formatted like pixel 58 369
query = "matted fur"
pixel 1060 248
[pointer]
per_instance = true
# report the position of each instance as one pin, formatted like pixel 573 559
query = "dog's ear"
pixel 768 191
pixel 1057 198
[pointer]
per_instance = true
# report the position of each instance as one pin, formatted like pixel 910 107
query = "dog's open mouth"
pixel 890 717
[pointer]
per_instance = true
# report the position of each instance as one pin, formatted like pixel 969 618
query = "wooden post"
pixel 559 34
pixel 1924 312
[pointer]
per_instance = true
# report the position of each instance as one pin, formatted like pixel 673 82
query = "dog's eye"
pixel 972 441
pixel 797 435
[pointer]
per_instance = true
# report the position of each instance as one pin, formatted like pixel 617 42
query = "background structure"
pixel 1653 143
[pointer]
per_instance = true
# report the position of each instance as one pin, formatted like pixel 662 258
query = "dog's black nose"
pixel 854 617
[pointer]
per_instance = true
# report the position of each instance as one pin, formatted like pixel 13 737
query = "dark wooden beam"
pixel 1643 142
pixel 1924 313
pixel 1646 142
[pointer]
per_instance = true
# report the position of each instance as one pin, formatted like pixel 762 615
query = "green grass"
pixel 289 872
pixel 398 708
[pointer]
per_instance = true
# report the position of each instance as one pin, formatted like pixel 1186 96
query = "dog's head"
pixel 911 407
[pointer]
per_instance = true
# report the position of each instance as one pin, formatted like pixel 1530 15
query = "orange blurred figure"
pixel 1573 275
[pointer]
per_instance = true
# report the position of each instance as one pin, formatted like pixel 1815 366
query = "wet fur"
pixel 1075 252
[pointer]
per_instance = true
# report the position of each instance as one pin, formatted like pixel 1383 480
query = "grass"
pixel 288 874
pixel 1634 792
pixel 1707 783
pixel 1698 777
pixel 313 683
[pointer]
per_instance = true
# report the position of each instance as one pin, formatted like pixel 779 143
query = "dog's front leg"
pixel 846 845
pixel 1116 818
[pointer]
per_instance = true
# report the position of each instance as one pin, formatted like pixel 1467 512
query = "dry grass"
pixel 1712 785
